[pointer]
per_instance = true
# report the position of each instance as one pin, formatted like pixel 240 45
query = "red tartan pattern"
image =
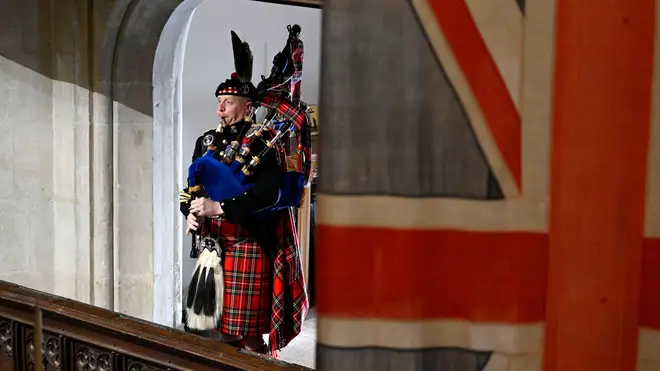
pixel 290 303
pixel 289 107
pixel 297 55
pixel 288 312
pixel 278 83
pixel 299 119
pixel 247 311
pixel 285 108
pixel 248 281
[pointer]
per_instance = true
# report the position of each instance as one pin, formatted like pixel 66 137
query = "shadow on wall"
pixel 87 43
pixel 80 43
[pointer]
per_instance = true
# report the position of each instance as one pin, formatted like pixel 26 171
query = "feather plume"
pixel 243 59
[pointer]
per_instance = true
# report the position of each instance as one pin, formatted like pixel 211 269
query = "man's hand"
pixel 193 222
pixel 205 207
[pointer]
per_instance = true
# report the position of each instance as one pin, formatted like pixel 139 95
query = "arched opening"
pixel 208 61
pixel 192 57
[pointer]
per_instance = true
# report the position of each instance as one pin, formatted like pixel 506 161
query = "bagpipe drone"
pixel 227 172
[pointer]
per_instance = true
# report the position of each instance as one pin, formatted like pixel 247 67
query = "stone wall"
pixel 76 212
pixel 27 201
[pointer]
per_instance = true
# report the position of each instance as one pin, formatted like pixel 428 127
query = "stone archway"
pixel 132 139
pixel 168 177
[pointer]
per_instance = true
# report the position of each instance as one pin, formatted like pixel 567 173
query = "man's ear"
pixel 248 106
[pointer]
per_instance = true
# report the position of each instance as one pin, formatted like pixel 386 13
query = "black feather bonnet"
pixel 240 82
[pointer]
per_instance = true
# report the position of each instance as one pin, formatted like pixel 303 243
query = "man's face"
pixel 232 109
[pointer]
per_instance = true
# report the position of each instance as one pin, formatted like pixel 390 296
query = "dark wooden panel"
pixel 7 347
pixel 51 350
pixel 136 365
pixel 87 357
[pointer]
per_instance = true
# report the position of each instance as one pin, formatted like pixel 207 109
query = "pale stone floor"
pixel 302 349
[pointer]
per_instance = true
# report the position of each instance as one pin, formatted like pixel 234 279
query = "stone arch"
pixel 168 127
pixel 126 162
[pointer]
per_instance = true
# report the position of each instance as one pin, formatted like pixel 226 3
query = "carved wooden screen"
pixel 77 336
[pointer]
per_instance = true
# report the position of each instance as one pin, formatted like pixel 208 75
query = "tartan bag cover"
pixel 290 303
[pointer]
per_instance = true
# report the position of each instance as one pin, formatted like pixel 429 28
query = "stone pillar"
pixel 168 174
pixel 71 150
pixel 600 146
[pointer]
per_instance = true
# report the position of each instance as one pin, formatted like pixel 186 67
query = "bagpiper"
pixel 239 205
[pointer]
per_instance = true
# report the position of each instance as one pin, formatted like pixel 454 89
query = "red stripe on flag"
pixel 484 78
pixel 425 274
pixel 649 302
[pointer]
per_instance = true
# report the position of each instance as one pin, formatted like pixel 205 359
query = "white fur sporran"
pixel 203 304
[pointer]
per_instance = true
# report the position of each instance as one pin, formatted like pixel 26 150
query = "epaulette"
pixel 208 138
pixel 210 131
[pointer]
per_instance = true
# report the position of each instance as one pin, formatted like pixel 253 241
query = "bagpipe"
pixel 224 173
pixel 227 174
pixel 281 91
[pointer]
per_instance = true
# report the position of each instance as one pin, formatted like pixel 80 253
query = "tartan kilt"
pixel 248 281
